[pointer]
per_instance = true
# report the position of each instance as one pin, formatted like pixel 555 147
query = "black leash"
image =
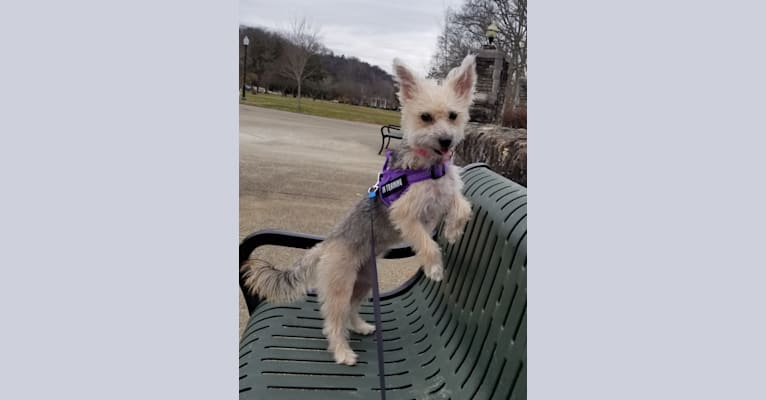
pixel 376 296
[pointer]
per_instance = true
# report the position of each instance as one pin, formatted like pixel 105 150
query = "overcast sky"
pixel 375 31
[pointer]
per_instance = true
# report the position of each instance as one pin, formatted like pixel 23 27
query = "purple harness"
pixel 393 183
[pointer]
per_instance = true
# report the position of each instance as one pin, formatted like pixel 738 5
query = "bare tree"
pixel 303 43
pixel 513 16
pixel 464 31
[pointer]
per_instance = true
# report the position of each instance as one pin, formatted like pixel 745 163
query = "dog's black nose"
pixel 445 143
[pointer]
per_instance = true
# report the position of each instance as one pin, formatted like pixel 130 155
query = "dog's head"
pixel 435 113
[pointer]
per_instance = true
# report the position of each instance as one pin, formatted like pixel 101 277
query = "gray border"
pixel 646 202
pixel 118 212
pixel 119 220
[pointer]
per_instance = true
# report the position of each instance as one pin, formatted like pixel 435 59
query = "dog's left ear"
pixel 462 79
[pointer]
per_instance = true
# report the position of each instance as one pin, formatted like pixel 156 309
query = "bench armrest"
pixel 397 131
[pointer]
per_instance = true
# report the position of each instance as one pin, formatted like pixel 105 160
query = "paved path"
pixel 302 173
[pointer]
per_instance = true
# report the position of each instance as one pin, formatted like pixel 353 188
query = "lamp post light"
pixel 245 42
pixel 492 31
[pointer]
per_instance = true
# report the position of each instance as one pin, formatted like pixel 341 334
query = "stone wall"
pixel 504 149
pixel 482 110
pixel 523 92
pixel 484 68
pixel 491 78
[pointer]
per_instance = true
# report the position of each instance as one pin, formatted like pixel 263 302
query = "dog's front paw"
pixel 457 220
pixel 434 272
pixel 453 233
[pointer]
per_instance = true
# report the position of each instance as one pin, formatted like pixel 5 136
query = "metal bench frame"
pixel 463 338
pixel 388 132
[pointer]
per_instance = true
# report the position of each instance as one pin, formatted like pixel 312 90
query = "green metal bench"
pixel 462 338
pixel 388 132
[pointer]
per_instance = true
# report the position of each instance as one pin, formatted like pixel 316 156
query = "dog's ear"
pixel 408 82
pixel 462 79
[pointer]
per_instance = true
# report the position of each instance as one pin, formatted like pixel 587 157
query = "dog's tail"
pixel 282 286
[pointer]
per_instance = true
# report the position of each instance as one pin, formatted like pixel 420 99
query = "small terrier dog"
pixel 434 115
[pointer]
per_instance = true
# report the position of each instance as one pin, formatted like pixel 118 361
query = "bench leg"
pixel 382 142
pixel 389 142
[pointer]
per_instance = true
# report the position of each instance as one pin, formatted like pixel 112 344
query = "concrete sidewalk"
pixel 303 173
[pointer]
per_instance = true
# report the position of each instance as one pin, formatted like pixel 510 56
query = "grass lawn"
pixel 324 108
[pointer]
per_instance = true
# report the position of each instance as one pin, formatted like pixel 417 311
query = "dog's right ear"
pixel 408 83
pixel 462 79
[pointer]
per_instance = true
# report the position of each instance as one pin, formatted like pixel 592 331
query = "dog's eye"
pixel 452 115
pixel 426 117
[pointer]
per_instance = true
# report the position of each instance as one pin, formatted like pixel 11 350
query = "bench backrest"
pixel 485 287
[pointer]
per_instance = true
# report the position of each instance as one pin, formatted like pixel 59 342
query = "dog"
pixel 434 115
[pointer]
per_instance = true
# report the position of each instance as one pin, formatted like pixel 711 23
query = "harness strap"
pixel 393 183
pixel 376 301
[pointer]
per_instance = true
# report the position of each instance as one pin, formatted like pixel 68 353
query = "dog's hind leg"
pixel 361 292
pixel 335 311
pixel 336 276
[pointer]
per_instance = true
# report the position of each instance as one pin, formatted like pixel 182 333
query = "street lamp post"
pixel 492 31
pixel 245 42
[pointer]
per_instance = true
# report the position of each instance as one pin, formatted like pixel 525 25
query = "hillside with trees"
pixel 294 62
pixel 287 62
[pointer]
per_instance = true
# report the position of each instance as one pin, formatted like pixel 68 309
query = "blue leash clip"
pixel 373 190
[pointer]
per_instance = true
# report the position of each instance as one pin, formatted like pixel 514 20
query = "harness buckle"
pixel 373 190
pixel 433 171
